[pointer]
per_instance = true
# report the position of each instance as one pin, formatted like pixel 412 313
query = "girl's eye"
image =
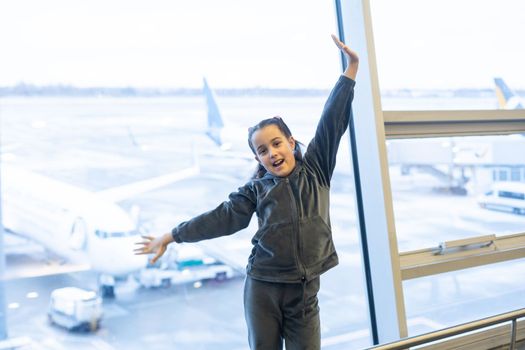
pixel 262 151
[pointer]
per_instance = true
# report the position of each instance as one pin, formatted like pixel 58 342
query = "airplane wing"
pixel 26 259
pixel 19 244
pixel 247 156
pixel 123 192
pixel 231 250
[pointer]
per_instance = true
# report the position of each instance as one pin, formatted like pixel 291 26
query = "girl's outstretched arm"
pixel 227 218
pixel 351 58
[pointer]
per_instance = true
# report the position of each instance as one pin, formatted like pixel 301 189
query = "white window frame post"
pixel 373 193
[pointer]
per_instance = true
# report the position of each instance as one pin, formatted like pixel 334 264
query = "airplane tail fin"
pixel 507 99
pixel 215 123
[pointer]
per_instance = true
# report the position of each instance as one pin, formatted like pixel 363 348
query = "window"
pixel 436 184
pixel 437 198
pixel 428 52
pixel 103 96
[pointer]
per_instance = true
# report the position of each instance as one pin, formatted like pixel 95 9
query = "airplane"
pixel 507 99
pixel 90 229
pixel 83 227
pixel 453 161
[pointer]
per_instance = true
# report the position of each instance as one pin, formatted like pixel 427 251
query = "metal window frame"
pixel 415 124
pixel 462 254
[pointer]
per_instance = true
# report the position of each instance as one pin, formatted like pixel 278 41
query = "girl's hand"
pixel 154 245
pixel 351 56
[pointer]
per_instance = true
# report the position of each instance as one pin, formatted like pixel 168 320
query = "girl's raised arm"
pixel 322 150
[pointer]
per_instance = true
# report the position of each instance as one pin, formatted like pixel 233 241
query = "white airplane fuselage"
pixel 70 221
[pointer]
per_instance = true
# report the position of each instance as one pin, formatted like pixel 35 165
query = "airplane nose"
pixel 117 257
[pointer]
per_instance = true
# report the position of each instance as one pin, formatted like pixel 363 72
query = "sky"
pixel 246 43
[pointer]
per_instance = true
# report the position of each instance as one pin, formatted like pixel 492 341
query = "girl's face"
pixel 273 150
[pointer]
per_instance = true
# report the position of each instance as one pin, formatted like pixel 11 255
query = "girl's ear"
pixel 291 140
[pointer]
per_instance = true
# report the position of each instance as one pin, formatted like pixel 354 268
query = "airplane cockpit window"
pixel 124 233
pixel 101 234
pixel 114 234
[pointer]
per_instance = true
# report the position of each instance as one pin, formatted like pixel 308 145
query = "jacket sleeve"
pixel 322 150
pixel 229 217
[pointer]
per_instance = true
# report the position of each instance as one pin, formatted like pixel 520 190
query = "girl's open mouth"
pixel 278 162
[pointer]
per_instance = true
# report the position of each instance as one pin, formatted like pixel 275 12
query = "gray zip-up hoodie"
pixel 294 239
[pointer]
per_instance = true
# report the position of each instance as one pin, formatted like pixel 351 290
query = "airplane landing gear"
pixel 107 286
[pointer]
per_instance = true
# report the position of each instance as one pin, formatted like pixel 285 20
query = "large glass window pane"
pixel 452 49
pixel 448 189
pixel 98 103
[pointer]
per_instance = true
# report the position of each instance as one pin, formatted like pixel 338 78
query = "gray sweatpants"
pixel 277 311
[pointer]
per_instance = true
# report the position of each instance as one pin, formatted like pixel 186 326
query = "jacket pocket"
pixel 273 248
pixel 316 242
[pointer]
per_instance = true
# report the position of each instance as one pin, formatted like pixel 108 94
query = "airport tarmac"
pixel 171 318
pixel 212 312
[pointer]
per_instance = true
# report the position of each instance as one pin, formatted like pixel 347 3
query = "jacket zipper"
pixel 295 235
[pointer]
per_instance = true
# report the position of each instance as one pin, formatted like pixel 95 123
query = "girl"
pixel 293 245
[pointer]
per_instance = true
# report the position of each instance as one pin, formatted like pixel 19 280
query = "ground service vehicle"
pixel 505 196
pixel 75 309
pixel 187 271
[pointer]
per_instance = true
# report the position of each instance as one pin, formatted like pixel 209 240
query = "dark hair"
pixel 260 171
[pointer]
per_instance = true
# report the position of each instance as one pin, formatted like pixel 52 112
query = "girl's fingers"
pixel 342 46
pixel 337 42
pixel 154 259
